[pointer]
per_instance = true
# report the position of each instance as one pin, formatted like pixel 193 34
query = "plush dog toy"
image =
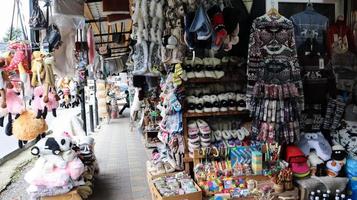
pixel 316 141
pixel 27 127
pixel 37 68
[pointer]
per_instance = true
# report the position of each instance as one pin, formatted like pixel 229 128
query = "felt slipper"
pixel 217 135
pixel 226 134
pixel 207 105
pixel 218 69
pixel 203 126
pixel 223 102
pixel 189 68
pixel 192 128
pixel 193 138
pixel 199 105
pixel 191 104
pixel 208 68
pixel 215 103
pixel 241 102
pixel 198 68
pixel 232 101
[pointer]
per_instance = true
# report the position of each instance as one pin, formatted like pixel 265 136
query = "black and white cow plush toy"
pixel 58 147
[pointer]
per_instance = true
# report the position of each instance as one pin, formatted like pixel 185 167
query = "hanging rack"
pixel 273 11
pixel 309 5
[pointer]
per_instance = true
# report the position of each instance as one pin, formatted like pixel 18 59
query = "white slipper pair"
pixel 212 68
pixel 195 104
pixel 210 103
pixel 241 100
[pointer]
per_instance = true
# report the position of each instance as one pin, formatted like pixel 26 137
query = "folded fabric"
pixel 36 192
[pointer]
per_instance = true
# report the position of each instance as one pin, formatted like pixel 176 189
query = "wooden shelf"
pixel 211 80
pixel 213 114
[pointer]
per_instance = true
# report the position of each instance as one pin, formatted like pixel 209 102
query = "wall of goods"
pixel 258 114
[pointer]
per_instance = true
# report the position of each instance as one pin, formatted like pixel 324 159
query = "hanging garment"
pixel 274 80
pixel 310 25
pixel 73 7
pixel 340 38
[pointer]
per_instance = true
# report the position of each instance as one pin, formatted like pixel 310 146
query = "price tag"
pixel 354 109
pixel 321 63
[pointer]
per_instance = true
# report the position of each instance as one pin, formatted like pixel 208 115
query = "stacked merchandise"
pixel 16 91
pixel 68 92
pixel 60 168
pixel 179 185
pixel 291 95
pixel 102 99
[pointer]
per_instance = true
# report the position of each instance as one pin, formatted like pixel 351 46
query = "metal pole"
pixel 34 34
pixel 96 104
pixel 83 110
pixel 91 118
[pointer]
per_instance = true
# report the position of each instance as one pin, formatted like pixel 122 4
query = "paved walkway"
pixel 122 161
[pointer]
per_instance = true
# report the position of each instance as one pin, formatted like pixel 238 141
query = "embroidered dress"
pixel 274 81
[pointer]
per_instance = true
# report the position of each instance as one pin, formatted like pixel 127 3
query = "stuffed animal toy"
pixel 15 106
pixel 317 141
pixel 40 107
pixel 3 86
pixel 27 127
pixel 37 68
pixel 19 60
pixel 49 79
pixel 58 164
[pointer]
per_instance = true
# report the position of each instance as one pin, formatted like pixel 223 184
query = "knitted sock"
pixel 329 113
pixel 340 107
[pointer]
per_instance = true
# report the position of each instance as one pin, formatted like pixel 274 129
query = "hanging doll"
pixel 49 78
pixel 40 107
pixel 3 86
pixel 18 61
pixel 37 68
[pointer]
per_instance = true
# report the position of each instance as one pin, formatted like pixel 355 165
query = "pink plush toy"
pixel 15 106
pixel 14 102
pixel 40 107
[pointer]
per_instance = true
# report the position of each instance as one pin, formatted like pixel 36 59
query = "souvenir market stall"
pixel 254 104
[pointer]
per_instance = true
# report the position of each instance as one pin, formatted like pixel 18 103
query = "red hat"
pixel 297 160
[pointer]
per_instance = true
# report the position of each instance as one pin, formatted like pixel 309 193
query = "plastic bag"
pixel 37 19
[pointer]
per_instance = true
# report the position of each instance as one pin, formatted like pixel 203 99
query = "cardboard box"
pixel 72 195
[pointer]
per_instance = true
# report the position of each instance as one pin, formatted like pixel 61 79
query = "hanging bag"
pixel 37 19
pixel 53 38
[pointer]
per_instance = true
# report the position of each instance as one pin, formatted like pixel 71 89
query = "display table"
pixel 72 195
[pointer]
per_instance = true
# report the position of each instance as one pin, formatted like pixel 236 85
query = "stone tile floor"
pixel 122 160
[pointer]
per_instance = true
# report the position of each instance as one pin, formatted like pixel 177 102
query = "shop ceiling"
pixel 109 17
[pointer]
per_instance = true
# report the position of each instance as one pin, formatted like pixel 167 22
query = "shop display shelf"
pixel 214 114
pixel 212 80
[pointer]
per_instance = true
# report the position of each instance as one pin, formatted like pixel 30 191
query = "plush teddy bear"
pixel 317 141
pixel 27 127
